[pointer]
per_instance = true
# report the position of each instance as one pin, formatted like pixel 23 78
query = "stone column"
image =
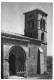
pixel 38 20
pixel 26 72
pixel 38 24
pixel 39 34
pixel 6 69
pixel 45 37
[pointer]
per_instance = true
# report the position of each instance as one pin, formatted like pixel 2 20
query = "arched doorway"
pixel 17 59
pixel 12 64
pixel 40 61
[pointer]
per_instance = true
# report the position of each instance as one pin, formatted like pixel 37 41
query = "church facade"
pixel 25 55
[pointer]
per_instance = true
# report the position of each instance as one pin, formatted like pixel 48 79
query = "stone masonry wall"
pixel 44 47
pixel 32 59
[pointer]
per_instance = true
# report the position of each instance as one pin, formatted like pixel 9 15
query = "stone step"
pixel 15 77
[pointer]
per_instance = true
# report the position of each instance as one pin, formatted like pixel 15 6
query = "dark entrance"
pixel 12 64
pixel 38 63
pixel 17 59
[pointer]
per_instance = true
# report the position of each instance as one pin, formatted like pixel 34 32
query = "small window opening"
pixel 29 51
pixel 41 23
pixel 42 36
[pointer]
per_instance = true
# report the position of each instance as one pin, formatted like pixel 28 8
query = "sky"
pixel 13 19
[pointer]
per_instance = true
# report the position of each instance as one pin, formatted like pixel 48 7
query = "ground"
pixel 46 75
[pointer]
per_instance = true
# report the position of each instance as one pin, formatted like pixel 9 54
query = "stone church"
pixel 25 55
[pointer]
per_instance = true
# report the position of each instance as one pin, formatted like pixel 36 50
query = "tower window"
pixel 30 16
pixel 30 25
pixel 42 36
pixel 42 24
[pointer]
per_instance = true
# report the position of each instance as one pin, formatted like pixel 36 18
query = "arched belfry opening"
pixel 17 59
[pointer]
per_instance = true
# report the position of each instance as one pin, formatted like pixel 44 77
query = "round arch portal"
pixel 17 58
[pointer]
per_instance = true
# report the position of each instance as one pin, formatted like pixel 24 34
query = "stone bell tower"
pixel 36 27
pixel 35 24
